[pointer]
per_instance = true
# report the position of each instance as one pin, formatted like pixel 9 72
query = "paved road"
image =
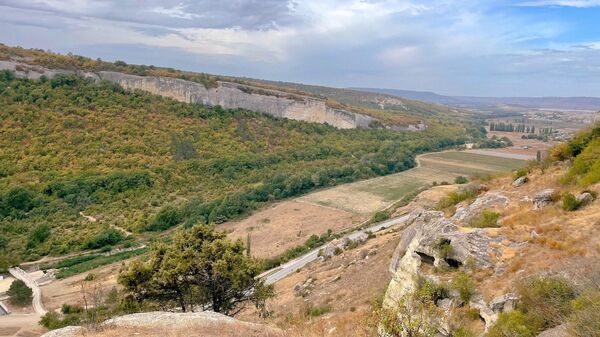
pixel 284 270
pixel 20 274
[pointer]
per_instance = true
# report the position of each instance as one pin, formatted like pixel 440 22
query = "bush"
pixel 380 216
pixel 166 218
pixel 464 284
pixel 486 219
pixel 318 310
pixel 52 321
pixel 546 300
pixel 569 202
pixel 105 238
pixel 444 248
pixel 461 180
pixel 19 294
pixel 454 198
pixel 427 290
pixel 585 319
pixel 512 324
pixel 522 172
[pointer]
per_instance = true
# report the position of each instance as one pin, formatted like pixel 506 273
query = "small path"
pixel 20 274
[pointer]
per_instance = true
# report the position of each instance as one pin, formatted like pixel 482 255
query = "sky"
pixel 453 47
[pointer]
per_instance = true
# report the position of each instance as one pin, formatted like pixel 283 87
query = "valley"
pixel 299 210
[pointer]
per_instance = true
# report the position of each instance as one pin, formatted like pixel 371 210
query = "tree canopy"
pixel 199 269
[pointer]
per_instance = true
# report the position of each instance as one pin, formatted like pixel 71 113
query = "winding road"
pixel 20 274
pixel 276 274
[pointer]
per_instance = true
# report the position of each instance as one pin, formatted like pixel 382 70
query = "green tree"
pixel 199 268
pixel 19 293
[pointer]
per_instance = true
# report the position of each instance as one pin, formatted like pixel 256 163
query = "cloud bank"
pixel 449 46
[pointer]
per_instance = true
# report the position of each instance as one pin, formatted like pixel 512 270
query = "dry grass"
pixel 192 330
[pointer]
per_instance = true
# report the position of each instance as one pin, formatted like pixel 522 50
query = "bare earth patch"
pixel 288 224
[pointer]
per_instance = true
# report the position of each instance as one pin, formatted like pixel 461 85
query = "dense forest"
pixel 142 163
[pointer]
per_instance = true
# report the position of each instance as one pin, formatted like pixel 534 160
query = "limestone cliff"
pixel 226 94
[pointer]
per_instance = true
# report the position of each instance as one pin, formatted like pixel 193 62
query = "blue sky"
pixel 457 47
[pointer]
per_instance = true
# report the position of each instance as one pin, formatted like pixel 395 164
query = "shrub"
pixel 105 238
pixel 585 319
pixel 166 218
pixel 486 219
pixel 522 172
pixel 455 197
pixel 51 320
pixel 318 310
pixel 19 294
pixel 546 300
pixel 427 290
pixel 380 216
pixel 464 284
pixel 512 324
pixel 570 202
pixel 460 180
pixel 38 235
pixel 444 248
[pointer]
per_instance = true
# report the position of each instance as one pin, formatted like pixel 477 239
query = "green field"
pixel 367 196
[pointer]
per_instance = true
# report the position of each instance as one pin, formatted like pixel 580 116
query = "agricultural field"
pixel 368 196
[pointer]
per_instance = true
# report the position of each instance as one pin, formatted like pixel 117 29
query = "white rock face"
pixel 487 201
pixel 227 94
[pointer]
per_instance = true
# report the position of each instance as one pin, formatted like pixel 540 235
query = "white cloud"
pixel 562 3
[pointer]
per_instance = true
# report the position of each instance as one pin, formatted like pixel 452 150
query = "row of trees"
pixel 522 128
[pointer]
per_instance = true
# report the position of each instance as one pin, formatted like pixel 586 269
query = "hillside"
pixel 338 107
pixel 74 145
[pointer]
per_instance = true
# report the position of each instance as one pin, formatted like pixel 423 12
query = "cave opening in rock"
pixel 426 258
pixel 453 263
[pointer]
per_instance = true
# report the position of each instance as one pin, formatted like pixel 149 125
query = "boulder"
pixel 585 198
pixel 303 289
pixel 543 198
pixel 486 201
pixel 558 331
pixel 486 313
pixel 520 181
pixel 357 238
pixel 68 331
pixel 506 302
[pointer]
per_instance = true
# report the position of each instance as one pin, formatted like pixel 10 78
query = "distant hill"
pixel 576 103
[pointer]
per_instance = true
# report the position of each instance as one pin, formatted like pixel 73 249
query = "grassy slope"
pixel 72 145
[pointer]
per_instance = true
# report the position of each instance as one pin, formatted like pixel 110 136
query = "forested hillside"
pixel 146 163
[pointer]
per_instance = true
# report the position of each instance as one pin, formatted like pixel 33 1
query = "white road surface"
pixel 278 273
pixel 20 274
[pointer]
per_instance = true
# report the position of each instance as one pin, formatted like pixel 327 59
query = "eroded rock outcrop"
pixel 226 94
pixel 489 200
pixel 423 241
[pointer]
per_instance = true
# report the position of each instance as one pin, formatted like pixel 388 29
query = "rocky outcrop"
pixel 543 198
pixel 226 94
pixel 584 198
pixel 489 200
pixel 559 331
pixel 431 238
pixel 520 181
pixel 420 243
pixel 205 323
